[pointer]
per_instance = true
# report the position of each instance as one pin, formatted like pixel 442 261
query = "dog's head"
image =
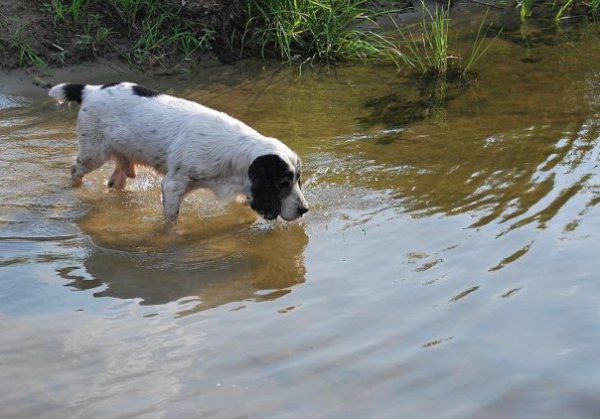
pixel 275 188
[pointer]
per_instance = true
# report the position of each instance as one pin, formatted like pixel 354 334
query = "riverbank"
pixel 139 33
pixel 38 38
pixel 148 34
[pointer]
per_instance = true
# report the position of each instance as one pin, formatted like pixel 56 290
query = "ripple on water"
pixel 451 242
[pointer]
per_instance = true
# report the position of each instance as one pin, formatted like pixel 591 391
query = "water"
pixel 448 268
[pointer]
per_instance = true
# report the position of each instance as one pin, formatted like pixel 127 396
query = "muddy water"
pixel 448 268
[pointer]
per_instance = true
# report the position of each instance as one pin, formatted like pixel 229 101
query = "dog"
pixel 192 145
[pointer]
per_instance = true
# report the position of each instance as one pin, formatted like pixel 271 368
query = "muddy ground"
pixel 30 24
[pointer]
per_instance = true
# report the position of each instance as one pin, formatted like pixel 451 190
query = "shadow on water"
pixel 425 99
pixel 262 266
pixel 199 264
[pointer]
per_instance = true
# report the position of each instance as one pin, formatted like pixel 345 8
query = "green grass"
pixel 292 30
pixel 428 48
pixel 560 8
pixel 480 46
pixel 62 10
pixel 320 30
pixel 129 10
pixel 27 55
pixel 525 8
pixel 162 35
pixel 161 31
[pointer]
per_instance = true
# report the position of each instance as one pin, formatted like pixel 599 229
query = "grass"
pixel 292 30
pixel 525 8
pixel 129 10
pixel 61 11
pixel 162 35
pixel 560 8
pixel 319 30
pixel 25 51
pixel 479 47
pixel 429 50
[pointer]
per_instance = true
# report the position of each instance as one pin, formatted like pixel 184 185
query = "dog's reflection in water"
pixel 247 264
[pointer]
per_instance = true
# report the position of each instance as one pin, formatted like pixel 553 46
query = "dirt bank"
pixel 36 33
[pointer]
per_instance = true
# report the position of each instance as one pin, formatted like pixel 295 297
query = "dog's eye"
pixel 284 184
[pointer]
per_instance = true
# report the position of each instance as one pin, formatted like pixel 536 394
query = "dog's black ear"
pixel 271 180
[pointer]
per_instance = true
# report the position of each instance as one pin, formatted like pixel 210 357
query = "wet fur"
pixel 191 145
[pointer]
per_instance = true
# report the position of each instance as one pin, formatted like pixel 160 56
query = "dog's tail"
pixel 67 92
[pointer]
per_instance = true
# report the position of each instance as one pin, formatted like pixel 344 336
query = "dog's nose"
pixel 302 211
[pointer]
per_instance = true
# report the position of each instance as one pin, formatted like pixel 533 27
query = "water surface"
pixel 448 267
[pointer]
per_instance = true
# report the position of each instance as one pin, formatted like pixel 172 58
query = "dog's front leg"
pixel 86 162
pixel 173 191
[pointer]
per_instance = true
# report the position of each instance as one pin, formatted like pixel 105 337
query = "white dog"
pixel 191 145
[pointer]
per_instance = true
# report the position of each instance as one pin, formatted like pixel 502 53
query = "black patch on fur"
pixel 144 91
pixel 271 181
pixel 74 92
pixel 107 85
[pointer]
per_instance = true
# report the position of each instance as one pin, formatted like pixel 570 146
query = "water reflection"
pixel 201 272
pixel 502 154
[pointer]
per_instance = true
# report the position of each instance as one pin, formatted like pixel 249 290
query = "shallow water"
pixel 446 268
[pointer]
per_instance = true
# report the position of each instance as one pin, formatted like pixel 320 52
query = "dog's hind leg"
pixel 173 190
pixel 130 170
pixel 123 169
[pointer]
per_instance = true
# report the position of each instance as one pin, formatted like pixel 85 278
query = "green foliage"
pixel 161 33
pixel 428 51
pixel 525 7
pixel 26 52
pixel 428 47
pixel 561 8
pixel 61 11
pixel 323 30
pixel 480 47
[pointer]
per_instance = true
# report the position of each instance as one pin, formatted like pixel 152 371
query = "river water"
pixel 446 268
